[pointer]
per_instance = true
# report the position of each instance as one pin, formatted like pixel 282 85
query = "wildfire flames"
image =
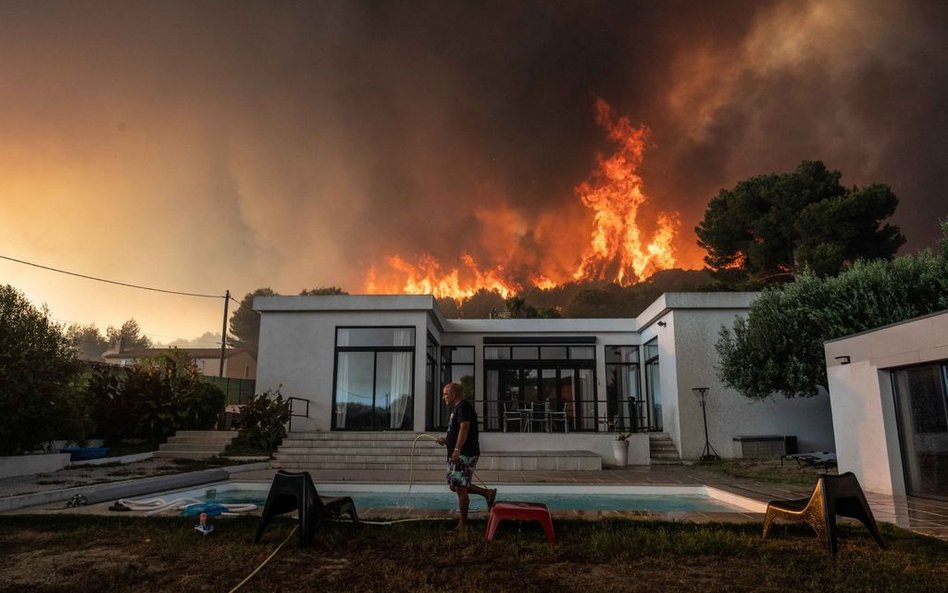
pixel 615 194
pixel 617 252
pixel 426 277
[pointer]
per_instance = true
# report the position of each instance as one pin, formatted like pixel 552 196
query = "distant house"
pixel 239 363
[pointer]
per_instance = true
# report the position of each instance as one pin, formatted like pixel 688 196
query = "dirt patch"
pixel 43 568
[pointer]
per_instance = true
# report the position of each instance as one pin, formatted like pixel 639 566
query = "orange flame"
pixel 542 282
pixel 617 251
pixel 615 195
pixel 426 277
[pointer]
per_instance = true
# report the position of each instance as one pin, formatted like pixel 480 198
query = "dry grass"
pixel 46 554
pixel 766 470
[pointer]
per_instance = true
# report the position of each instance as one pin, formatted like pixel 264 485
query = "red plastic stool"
pixel 523 511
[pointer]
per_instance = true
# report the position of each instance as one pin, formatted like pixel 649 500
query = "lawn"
pixel 66 553
pixel 773 471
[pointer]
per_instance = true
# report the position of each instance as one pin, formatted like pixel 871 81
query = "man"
pixel 463 451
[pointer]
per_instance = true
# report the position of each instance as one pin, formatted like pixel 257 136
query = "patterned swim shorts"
pixel 460 473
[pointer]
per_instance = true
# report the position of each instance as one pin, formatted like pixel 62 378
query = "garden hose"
pixel 411 465
pixel 264 563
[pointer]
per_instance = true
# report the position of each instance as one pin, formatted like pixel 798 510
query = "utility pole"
pixel 224 331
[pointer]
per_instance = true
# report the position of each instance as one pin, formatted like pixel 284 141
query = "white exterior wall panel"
pixel 297 350
pixel 730 414
pixel 864 416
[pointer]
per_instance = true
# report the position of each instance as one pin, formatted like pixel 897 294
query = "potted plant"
pixel 620 448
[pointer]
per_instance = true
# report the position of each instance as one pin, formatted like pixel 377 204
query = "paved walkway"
pixel 925 516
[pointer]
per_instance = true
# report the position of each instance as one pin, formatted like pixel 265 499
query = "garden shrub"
pixel 154 398
pixel 262 420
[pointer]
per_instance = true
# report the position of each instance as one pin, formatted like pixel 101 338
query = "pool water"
pixel 557 498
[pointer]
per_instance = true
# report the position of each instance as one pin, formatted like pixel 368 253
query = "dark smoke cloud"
pixel 293 145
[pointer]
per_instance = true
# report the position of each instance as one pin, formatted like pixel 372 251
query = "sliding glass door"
pixel 562 388
pixel 653 387
pixel 921 397
pixel 374 386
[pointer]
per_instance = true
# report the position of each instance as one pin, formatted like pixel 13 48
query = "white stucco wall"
pixel 599 443
pixel 861 411
pixel 859 369
pixel 688 359
pixel 297 350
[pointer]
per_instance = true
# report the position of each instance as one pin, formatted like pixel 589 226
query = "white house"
pixel 889 392
pixel 377 363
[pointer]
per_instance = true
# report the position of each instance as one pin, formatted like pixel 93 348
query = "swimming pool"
pixel 558 497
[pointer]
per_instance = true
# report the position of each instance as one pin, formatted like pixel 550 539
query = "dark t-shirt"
pixel 463 412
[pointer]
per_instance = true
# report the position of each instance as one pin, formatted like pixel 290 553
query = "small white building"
pixel 377 363
pixel 889 392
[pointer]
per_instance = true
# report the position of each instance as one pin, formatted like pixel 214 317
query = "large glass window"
pixel 432 382
pixel 457 366
pixel 536 384
pixel 921 397
pixel 374 387
pixel 624 403
pixel 653 386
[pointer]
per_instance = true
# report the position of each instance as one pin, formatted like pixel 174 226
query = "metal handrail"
pixel 631 415
pixel 290 400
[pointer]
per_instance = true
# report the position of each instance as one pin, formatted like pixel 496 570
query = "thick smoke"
pixel 203 145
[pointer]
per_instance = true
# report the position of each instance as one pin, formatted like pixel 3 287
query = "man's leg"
pixel 488 493
pixel 464 501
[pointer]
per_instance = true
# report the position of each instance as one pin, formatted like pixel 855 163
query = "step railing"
pixel 297 411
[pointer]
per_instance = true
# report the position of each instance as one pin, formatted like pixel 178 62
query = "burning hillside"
pixel 617 250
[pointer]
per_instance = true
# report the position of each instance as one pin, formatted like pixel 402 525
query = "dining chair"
pixel 553 416
pixel 537 416
pixel 512 413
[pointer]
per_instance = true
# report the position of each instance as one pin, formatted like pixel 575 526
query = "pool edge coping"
pixel 105 491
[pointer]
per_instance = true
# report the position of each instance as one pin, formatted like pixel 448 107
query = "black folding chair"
pixel 292 491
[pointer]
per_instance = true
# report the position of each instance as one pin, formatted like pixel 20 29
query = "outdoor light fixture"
pixel 708 453
pixel 842 359
pixel 662 324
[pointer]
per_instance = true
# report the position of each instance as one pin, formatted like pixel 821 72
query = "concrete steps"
pixel 358 450
pixel 196 444
pixel 662 449
pixel 393 451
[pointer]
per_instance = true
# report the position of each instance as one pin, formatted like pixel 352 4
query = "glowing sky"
pixel 204 146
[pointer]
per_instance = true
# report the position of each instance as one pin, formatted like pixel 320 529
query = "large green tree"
pixel 245 322
pixel 778 347
pixel 128 336
pixel 37 369
pixel 89 342
pixel 775 226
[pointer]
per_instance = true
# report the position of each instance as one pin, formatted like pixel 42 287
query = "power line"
pixel 239 304
pixel 191 294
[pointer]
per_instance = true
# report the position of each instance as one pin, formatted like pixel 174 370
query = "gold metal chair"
pixel 833 495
